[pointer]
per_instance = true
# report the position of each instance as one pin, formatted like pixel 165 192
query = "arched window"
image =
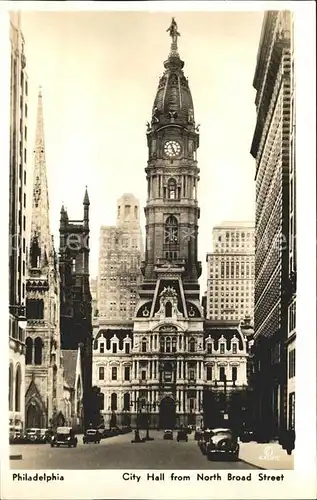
pixel 29 351
pixel 114 401
pixel 126 401
pixel 192 345
pixel 171 230
pixel 174 344
pixel 10 387
pixel 171 189
pixel 162 345
pixel 35 253
pixel 144 345
pixel 168 310
pixel 168 344
pixel 38 348
pixel 18 380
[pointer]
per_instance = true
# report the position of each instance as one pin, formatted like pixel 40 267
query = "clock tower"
pixel 168 332
pixel 172 211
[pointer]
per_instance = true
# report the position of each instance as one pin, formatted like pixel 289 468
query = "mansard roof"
pixel 226 329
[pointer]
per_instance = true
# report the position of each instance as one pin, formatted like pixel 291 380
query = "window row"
pixel 291 363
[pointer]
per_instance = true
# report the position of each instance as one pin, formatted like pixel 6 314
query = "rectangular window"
pixel 126 373
pixel 102 348
pixel 114 348
pixel 114 373
pixel 143 375
pixel 222 373
pixel 234 373
pixel 209 373
pixel 101 373
pixel 191 374
pixel 127 348
pixel 234 348
pixel 209 348
pixel 222 348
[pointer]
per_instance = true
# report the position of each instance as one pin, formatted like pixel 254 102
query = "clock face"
pixel 172 148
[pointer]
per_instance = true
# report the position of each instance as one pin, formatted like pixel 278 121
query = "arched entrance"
pixel 34 416
pixel 167 415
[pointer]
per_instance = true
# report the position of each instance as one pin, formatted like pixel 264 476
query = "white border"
pixel 107 484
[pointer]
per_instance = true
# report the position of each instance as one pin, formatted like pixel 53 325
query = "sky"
pixel 99 73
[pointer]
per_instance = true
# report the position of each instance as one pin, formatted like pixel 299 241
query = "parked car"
pixel 222 442
pixel 168 434
pixel 204 439
pixel 92 436
pixel 64 436
pixel 33 435
pixel 182 435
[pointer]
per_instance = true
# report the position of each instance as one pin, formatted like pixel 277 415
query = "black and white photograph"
pixel 152 241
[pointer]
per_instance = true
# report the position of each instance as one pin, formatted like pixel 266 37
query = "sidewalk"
pixel 266 456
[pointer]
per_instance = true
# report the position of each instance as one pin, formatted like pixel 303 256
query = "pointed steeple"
pixel 86 198
pixel 40 242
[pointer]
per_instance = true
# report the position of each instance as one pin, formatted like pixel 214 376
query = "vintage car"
pixel 92 436
pixel 64 436
pixel 182 435
pixel 203 440
pixel 222 442
pixel 33 435
pixel 168 434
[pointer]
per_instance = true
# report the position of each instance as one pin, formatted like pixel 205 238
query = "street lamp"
pixel 138 406
pixel 149 406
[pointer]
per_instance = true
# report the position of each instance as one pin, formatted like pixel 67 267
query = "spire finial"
pixel 173 31
pixel 40 91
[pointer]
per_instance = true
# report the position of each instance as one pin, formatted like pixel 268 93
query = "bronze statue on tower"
pixel 173 31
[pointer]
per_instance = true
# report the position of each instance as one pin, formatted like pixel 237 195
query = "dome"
pixel 173 101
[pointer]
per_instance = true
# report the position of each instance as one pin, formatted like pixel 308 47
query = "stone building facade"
pixel 17 224
pixel 273 148
pixel 43 370
pixel 120 255
pixel 169 367
pixel 72 404
pixel 230 272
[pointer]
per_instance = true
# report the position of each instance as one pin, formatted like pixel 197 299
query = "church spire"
pixel 41 242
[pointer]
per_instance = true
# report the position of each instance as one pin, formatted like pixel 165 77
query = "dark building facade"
pixel 273 148
pixel 75 296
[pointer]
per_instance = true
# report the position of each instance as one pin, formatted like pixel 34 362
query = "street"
pixel 119 453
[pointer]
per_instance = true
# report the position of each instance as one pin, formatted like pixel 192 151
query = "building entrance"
pixel 167 414
pixel 34 416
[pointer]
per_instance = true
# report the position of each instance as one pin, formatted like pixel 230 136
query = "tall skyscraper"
pixel 44 374
pixel 17 224
pixel 230 272
pixel 168 366
pixel 273 148
pixel 120 255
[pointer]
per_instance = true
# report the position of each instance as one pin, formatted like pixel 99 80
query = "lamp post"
pixel 138 407
pixel 149 406
pixel 225 381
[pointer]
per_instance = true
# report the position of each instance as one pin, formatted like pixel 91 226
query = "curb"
pixel 253 465
pixel 15 457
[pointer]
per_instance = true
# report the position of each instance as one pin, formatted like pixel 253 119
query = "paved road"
pixel 119 453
